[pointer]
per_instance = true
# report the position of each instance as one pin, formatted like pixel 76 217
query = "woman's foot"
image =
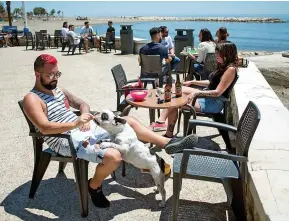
pixel 177 145
pixel 158 126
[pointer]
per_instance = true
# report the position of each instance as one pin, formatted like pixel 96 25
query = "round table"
pixel 150 102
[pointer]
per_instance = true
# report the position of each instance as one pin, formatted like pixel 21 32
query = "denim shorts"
pixel 89 152
pixel 211 105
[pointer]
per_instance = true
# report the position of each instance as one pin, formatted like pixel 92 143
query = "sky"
pixel 152 8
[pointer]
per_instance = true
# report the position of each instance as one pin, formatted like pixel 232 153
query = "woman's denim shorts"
pixel 211 105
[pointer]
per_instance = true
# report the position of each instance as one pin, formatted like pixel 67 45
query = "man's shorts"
pixel 84 142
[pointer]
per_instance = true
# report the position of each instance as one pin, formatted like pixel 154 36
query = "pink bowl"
pixel 138 95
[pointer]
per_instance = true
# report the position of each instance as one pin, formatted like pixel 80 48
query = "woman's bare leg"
pixel 145 134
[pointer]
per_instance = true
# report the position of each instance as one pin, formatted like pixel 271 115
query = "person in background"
pixel 87 32
pixel 207 45
pixel 110 28
pixel 167 41
pixel 218 85
pixel 77 38
pixel 5 38
pixel 64 32
pixel 222 35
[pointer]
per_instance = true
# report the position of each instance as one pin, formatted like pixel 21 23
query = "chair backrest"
pixel 31 126
pixel 70 39
pixel 39 36
pixel 57 33
pixel 210 65
pixel 110 37
pixel 43 31
pixel 151 67
pixel 119 76
pixel 230 88
pixel 246 128
pixel 29 35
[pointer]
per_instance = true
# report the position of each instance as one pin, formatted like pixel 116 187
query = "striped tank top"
pixel 57 111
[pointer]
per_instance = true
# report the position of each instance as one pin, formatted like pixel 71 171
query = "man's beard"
pixel 50 86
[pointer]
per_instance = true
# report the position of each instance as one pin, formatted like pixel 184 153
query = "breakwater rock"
pixel 212 19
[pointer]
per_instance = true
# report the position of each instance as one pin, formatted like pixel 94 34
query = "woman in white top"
pixel 207 45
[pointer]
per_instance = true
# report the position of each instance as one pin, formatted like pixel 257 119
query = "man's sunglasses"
pixel 52 75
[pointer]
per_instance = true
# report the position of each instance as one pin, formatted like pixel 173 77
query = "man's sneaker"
pixel 177 145
pixel 158 126
pixel 97 197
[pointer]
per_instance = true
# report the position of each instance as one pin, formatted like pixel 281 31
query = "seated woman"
pixel 207 45
pixel 222 35
pixel 218 85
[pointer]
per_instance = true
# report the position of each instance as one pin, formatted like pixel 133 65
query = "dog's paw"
pixel 156 190
pixel 162 204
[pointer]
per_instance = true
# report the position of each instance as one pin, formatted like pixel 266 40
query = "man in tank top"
pixel 48 108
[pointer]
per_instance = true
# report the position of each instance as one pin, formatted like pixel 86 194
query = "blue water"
pixel 247 36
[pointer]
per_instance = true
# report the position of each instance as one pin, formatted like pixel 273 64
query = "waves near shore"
pixel 213 19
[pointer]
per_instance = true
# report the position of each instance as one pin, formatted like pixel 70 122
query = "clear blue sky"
pixel 158 8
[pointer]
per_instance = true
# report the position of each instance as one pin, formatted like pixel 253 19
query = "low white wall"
pixel 268 167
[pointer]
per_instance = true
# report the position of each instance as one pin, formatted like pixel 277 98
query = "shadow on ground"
pixel 57 198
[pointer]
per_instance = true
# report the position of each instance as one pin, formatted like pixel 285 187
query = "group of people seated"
pixel 86 35
pixel 5 39
pixel 218 83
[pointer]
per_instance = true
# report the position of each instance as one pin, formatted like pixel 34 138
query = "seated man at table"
pixel 48 108
pixel 156 48
pixel 87 32
pixel 110 28
pixel 167 41
pixel 77 38
pixel 5 38
pixel 64 31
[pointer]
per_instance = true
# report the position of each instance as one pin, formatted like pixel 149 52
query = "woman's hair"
pixel 206 35
pixel 229 54
pixel 223 34
pixel 64 23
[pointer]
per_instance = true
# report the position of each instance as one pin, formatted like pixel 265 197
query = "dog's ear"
pixel 119 120
pixel 117 113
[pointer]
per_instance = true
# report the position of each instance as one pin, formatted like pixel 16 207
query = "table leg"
pixel 152 113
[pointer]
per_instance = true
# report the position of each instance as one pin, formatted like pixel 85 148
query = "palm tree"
pixel 8 6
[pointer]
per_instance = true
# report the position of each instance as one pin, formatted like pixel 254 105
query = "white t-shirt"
pixel 64 32
pixel 204 48
pixel 75 37
pixel 86 30
pixel 168 43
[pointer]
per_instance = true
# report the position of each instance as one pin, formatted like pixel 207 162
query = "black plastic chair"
pixel 218 117
pixel 108 42
pixel 220 167
pixel 40 39
pixel 29 38
pixel 57 38
pixel 151 70
pixel 209 66
pixel 73 46
pixel 42 159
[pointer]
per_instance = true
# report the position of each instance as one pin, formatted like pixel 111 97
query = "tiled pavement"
pixel 132 197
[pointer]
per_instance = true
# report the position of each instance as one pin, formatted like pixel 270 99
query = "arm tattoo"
pixel 212 93
pixel 76 102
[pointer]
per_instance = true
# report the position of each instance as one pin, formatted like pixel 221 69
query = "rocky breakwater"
pixel 216 19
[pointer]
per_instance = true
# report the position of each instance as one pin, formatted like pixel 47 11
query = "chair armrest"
pixel 204 96
pixel 132 81
pixel 193 123
pixel 217 154
pixel 38 134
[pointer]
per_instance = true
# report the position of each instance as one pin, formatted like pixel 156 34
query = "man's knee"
pixel 112 156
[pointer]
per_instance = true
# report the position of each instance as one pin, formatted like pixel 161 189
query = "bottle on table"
pixel 168 90
pixel 178 86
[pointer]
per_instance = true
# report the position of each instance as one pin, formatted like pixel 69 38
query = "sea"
pixel 273 37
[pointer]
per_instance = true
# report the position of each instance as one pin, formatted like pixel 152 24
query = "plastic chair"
pixel 218 117
pixel 42 159
pixel 29 38
pixel 214 166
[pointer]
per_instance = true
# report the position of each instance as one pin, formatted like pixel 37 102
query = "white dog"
pixel 124 139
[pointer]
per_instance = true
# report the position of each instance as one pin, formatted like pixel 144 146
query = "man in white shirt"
pixel 64 32
pixel 168 43
pixel 77 38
